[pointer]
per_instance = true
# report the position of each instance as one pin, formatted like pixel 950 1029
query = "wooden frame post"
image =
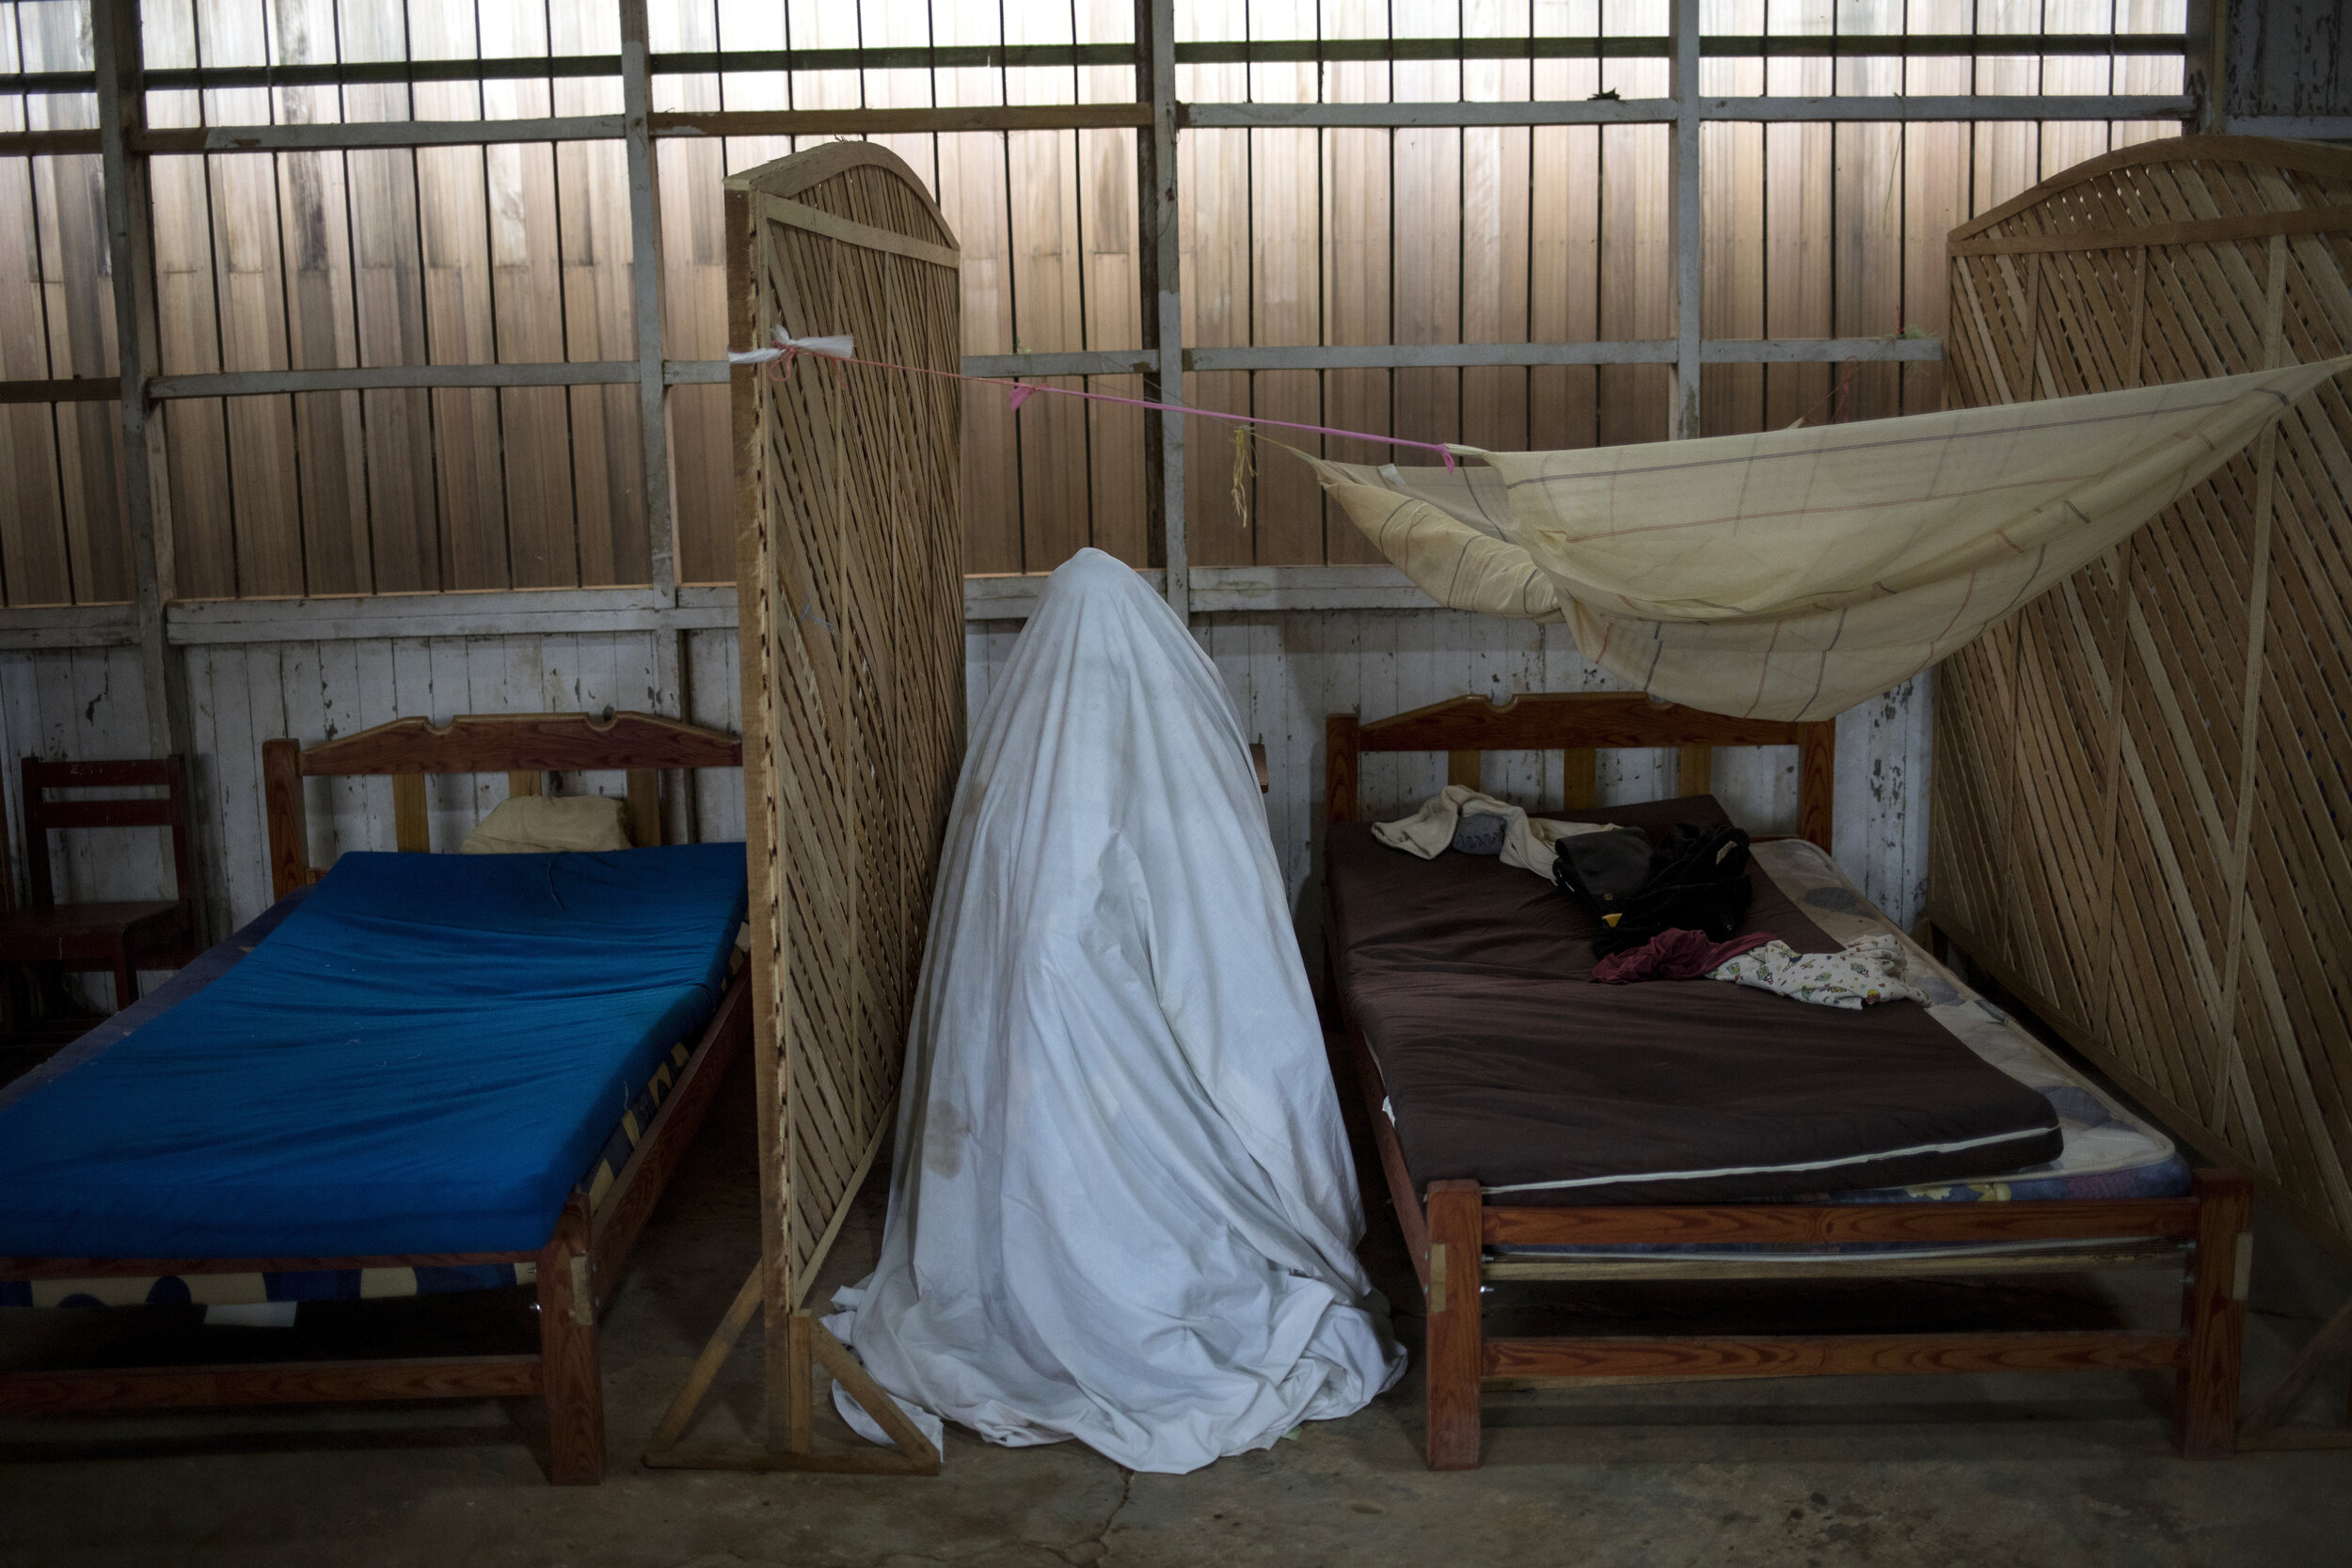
pixel 571 1372
pixel 2213 1312
pixel 1456 1355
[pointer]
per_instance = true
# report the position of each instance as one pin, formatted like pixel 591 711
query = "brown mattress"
pixel 1504 1063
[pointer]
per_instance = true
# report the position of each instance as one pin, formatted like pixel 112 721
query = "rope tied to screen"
pixel 778 359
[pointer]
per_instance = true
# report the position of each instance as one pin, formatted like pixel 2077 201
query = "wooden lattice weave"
pixel 852 608
pixel 2139 807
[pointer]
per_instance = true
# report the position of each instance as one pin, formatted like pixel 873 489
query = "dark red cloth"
pixel 1674 954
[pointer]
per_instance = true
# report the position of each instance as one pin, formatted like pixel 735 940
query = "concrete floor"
pixel 2016 1470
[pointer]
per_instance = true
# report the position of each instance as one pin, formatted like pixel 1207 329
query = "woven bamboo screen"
pixel 2140 808
pixel 851 551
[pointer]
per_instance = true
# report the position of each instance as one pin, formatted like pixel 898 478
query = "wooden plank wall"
pixel 1290 237
pixel 64 538
pixel 1285 671
pixel 2292 57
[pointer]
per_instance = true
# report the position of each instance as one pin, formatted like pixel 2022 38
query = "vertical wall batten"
pixel 130 247
pixel 1159 251
pixel 1685 221
pixel 644 227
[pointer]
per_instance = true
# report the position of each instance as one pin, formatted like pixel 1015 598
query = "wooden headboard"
pixel 1578 724
pixel 523 746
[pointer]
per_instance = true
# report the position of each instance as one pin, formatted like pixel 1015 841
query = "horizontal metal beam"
pixel 2294 127
pixel 238 383
pixel 880 122
pixel 1383 356
pixel 678 373
pixel 1128 361
pixel 1817 351
pixel 1217 590
pixel 360 134
pixel 1959 108
pixel 41 144
pixel 1660 46
pixel 1591 111
pixel 1063 55
pixel 547 612
pixel 1268 589
pixel 1725 350
pixel 80 388
pixel 367 134
pixel 96 625
pixel 1226 590
pixel 1660 111
pixel 1012 597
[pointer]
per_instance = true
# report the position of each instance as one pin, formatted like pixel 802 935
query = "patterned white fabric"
pixel 1863 972
pixel 1527 840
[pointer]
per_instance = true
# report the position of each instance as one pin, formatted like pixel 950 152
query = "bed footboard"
pixel 2208 1234
pixel 577 1268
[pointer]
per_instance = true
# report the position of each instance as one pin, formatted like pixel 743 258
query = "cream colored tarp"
pixel 1792 574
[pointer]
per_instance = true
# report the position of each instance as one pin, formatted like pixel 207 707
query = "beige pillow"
pixel 543 824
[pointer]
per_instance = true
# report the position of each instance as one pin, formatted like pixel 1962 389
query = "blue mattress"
pixel 424 1056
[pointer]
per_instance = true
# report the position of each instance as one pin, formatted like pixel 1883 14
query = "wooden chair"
pixel 117 936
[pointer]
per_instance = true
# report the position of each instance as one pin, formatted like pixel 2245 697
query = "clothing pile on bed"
pixel 1122 1208
pixel 1669 903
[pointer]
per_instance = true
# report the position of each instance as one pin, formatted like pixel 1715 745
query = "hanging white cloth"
pixel 1122 1208
pixel 1795 572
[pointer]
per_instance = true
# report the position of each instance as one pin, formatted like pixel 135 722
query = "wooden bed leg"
pixel 2213 1314
pixel 572 1377
pixel 1455 1352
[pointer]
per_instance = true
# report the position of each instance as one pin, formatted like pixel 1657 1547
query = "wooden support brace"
pixel 2259 1429
pixel 1694 770
pixel 1340 733
pixel 689 1401
pixel 644 807
pixel 1579 770
pixel 812 1348
pixel 412 829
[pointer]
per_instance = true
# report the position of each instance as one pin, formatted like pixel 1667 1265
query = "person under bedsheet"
pixel 1122 1208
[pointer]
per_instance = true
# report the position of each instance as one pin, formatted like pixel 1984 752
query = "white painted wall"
pixel 1286 671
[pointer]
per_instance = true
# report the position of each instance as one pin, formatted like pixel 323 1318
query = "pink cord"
pixel 1020 392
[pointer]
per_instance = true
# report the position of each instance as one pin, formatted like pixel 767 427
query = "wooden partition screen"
pixel 2139 810
pixel 848 534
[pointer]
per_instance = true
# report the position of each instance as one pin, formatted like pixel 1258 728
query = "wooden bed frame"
pixel 585 1255
pixel 2210 1233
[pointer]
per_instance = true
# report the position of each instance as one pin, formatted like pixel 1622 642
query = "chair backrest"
pixel 41 814
pixel 1577 724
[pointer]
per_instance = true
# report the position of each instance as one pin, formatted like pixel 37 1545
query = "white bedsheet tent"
pixel 1122 1208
